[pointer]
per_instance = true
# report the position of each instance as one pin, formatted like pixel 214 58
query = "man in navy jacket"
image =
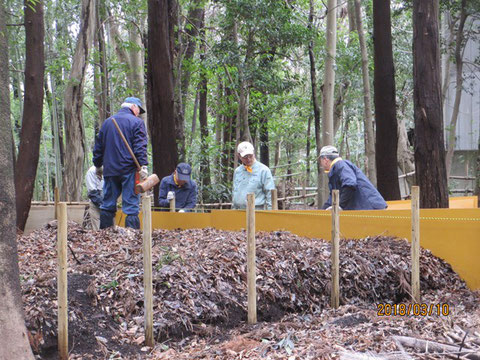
pixel 180 186
pixel 356 191
pixel 119 169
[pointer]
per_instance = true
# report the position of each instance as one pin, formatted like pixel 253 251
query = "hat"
pixel 136 101
pixel 245 148
pixel 329 150
pixel 183 172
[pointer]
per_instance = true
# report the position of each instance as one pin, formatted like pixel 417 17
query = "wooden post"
pixel 251 271
pixel 274 199
pixel 62 281
pixel 147 268
pixel 415 245
pixel 172 205
pixel 335 295
pixel 55 195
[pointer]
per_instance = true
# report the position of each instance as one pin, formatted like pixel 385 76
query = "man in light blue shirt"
pixel 251 177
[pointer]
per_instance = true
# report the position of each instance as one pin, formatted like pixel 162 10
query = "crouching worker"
pixel 94 181
pixel 356 191
pixel 119 169
pixel 180 186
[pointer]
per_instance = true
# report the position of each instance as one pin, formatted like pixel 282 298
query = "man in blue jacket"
pixel 180 186
pixel 119 169
pixel 356 191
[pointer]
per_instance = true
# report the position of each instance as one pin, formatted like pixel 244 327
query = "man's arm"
pixel 192 197
pixel 162 195
pixel 268 186
pixel 140 144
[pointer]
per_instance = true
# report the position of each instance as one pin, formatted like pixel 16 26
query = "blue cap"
pixel 183 172
pixel 136 101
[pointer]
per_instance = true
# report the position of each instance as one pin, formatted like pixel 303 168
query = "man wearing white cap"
pixel 251 177
pixel 356 191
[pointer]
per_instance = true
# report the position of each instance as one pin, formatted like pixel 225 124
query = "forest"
pixel 393 84
pixel 288 76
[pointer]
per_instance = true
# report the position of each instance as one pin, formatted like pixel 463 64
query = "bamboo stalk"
pixel 335 295
pixel 56 198
pixel 147 269
pixel 251 271
pixel 415 245
pixel 62 282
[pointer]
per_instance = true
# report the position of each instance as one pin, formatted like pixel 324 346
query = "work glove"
pixel 143 172
pixel 170 195
pixel 181 210
pixel 330 208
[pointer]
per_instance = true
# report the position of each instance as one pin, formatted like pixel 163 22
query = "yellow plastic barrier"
pixel 450 234
pixel 460 202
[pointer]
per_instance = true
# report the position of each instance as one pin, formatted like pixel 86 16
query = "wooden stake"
pixel 251 271
pixel 172 205
pixel 335 295
pixel 147 268
pixel 415 245
pixel 274 199
pixel 62 282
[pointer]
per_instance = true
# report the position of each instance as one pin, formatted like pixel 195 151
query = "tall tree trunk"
pixel 431 174
pixel 218 132
pixel 13 333
pixel 160 104
pixel 29 149
pixel 228 140
pixel 385 105
pixel 316 106
pixel 329 87
pixel 101 75
pixel 264 148
pixel 203 117
pixel 73 102
pixel 459 46
pixel 137 62
pixel 449 25
pixel 368 121
pixel 192 28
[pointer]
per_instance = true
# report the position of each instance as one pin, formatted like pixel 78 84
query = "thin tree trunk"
pixel 228 141
pixel 316 106
pixel 73 102
pixel 218 132
pixel 160 104
pixel 369 131
pixel 13 333
pixel 431 174
pixel 194 118
pixel 29 149
pixel 137 62
pixel 264 150
pixel 328 89
pixel 386 144
pixel 203 117
pixel 449 26
pixel 101 75
pixel 459 87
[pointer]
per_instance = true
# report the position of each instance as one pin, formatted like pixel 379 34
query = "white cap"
pixel 329 150
pixel 245 148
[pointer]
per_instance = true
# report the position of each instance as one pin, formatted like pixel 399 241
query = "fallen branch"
pixel 431 347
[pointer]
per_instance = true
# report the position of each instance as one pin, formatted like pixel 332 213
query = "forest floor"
pixel 200 298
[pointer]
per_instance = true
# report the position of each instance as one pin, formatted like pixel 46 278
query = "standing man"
pixel 119 169
pixel 251 177
pixel 94 181
pixel 180 186
pixel 356 191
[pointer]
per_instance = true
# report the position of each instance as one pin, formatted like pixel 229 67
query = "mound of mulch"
pixel 199 281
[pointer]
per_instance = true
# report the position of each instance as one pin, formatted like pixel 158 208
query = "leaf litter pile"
pixel 200 298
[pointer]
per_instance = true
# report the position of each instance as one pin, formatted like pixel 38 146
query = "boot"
pixel 132 221
pixel 106 218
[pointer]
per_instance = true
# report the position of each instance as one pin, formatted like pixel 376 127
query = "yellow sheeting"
pixel 451 234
